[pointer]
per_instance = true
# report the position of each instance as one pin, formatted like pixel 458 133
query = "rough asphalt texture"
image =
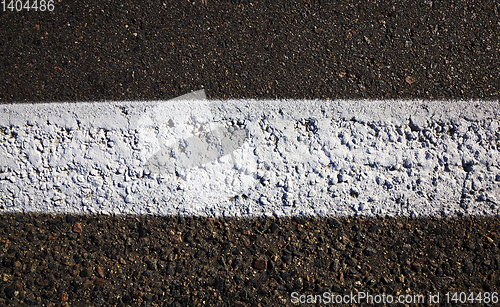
pixel 151 261
pixel 252 49
pixel 241 49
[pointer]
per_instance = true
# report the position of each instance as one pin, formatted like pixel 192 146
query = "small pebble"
pixel 77 227
pixel 260 264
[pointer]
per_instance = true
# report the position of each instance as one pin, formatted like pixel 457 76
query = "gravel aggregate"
pixel 93 260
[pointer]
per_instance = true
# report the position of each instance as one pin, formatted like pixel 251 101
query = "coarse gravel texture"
pixel 158 50
pixel 54 260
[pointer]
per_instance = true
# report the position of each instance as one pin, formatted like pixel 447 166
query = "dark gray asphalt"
pixel 251 49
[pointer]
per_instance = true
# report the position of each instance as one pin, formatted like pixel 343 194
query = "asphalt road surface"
pixel 83 51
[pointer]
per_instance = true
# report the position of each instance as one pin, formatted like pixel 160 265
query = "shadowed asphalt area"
pixel 118 50
pixel 84 51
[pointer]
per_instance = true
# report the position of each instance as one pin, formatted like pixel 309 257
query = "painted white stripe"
pixel 251 157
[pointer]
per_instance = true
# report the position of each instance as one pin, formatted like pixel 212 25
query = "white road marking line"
pixel 251 157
